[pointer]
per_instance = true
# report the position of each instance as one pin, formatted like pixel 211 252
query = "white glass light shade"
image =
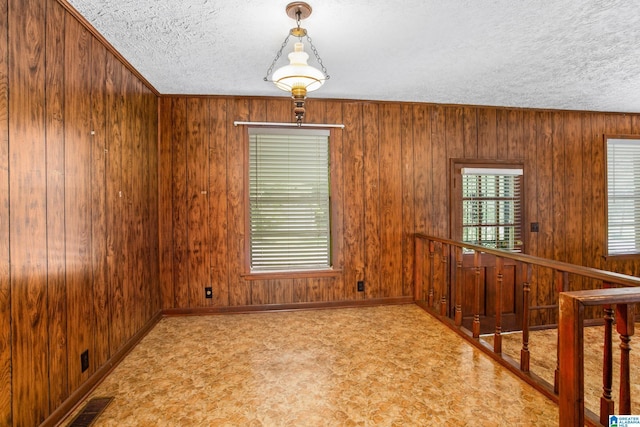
pixel 298 74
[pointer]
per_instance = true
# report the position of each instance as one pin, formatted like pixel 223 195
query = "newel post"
pixel 571 354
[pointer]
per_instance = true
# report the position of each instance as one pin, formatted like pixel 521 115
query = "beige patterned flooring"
pixel 379 366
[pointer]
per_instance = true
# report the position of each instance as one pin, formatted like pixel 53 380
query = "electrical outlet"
pixel 535 227
pixel 84 360
pixel 208 292
pixel 360 285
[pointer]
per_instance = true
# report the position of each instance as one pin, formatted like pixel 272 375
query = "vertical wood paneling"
pixel 150 116
pixel 137 244
pixel 128 218
pixel 179 202
pixel 56 285
pixel 422 167
pixel 239 290
pixel 440 177
pixel 197 187
pixel 514 140
pixel 390 166
pixel 27 213
pixel 5 285
pixel 353 166
pixel 487 133
pixel 588 219
pixel 62 220
pixel 542 292
pixel 334 114
pixel 558 187
pixel 372 243
pixel 408 201
pixel 98 203
pixel 77 166
pixel 165 205
pixel 573 199
pixel 218 222
pixel 114 202
pixel 502 133
pixel 470 128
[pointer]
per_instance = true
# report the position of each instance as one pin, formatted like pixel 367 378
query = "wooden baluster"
pixel 459 284
pixel 526 294
pixel 625 327
pixel 476 296
pixel 418 271
pixel 562 284
pixel 445 282
pixel 432 250
pixel 497 340
pixel 606 403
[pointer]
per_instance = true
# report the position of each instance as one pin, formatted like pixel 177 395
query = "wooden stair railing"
pixel 571 345
pixel 433 281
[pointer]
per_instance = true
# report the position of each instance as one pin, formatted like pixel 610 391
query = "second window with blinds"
pixel 488 205
pixel 289 200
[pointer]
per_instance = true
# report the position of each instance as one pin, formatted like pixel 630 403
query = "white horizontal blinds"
pixel 289 199
pixel 623 187
pixel 491 208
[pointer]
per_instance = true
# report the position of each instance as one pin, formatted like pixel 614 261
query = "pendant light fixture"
pixel 298 78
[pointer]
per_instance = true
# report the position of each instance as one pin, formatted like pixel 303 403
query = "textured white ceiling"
pixel 579 55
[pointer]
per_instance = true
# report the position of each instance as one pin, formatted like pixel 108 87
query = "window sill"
pixel 621 257
pixel 269 275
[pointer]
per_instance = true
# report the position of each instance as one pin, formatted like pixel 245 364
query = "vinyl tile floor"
pixel 376 366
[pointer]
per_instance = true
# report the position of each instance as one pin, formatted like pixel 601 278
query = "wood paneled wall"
pixel 392 161
pixel 78 207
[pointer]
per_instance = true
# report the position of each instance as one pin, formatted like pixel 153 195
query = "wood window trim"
pixel 455 223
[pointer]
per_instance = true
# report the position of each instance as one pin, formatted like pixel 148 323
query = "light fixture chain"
pixel 315 52
pixel 278 55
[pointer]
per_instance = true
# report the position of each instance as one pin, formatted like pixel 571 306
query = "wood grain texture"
pixel 98 203
pixel 239 289
pixel 114 202
pixel 179 202
pixel 27 213
pixel 197 189
pixel 56 256
pixel 371 202
pixel 218 221
pixel 390 166
pixel 353 167
pixel 393 171
pixel 334 112
pixel 408 201
pixel 5 282
pixel 165 202
pixel 77 207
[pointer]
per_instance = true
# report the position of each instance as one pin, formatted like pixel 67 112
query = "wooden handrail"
pixel 571 348
pixel 444 280
pixel 593 273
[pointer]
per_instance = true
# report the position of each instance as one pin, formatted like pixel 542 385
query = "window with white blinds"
pixel 289 211
pixel 623 196
pixel 491 207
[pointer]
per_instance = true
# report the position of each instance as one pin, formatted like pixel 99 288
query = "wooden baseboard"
pixel 285 307
pixel 78 396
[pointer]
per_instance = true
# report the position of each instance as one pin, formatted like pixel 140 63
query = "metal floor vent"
pixel 90 412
